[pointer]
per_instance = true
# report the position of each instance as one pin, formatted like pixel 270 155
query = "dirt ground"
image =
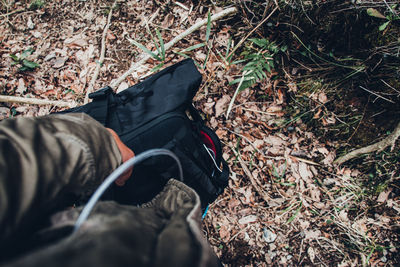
pixel 287 203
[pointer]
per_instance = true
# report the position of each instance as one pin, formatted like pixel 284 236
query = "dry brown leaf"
pixel 213 123
pixel 343 215
pixel 221 133
pixel 274 109
pixel 233 203
pixel 292 87
pixel 383 196
pixel 258 143
pixel 304 224
pixel 322 97
pixel 59 62
pixel 360 226
pixel 304 171
pixel 248 219
pixel 110 35
pixel 311 254
pixel 328 120
pixel 76 41
pixel 311 235
pixel 21 86
pixel 200 56
pixel 281 96
pixel 328 160
pixel 274 141
pixel 122 87
pixel 224 233
pixel 221 105
pixel 208 107
pixel 4 113
pixel 315 193
pixel 318 114
pixel 323 150
pixel 168 21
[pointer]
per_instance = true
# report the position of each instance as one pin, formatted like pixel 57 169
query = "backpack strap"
pixel 221 181
pixel 195 114
pixel 100 104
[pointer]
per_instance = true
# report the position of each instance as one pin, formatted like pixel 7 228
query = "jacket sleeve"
pixel 43 158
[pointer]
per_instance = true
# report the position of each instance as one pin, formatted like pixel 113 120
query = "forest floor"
pixel 287 203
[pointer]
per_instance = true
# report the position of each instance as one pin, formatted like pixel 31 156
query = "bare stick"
pixel 379 146
pixel 253 181
pixel 144 57
pixel 235 94
pixel 379 96
pixel 35 101
pixel 12 12
pixel 102 53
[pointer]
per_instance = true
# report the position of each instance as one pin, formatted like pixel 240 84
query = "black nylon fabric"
pixel 163 92
pixel 151 114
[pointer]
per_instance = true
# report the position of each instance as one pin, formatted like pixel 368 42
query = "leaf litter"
pixel 291 206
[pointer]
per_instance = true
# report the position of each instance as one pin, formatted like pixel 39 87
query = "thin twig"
pixel 253 180
pixel 251 32
pixel 390 86
pixel 12 12
pixel 35 101
pixel 379 96
pixel 391 9
pixel 102 54
pixel 144 57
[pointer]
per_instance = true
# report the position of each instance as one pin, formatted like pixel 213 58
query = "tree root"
pixel 379 146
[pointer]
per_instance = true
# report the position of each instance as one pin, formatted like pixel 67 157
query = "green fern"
pixel 259 58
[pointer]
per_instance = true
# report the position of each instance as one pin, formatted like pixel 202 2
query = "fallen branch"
pixel 379 146
pixel 35 101
pixel 171 43
pixel 102 55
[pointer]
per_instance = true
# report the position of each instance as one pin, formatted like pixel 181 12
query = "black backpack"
pixel 158 113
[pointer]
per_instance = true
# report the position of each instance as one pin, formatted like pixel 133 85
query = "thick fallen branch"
pixel 102 54
pixel 35 101
pixel 379 146
pixel 171 43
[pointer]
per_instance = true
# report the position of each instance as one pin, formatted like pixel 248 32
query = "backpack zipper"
pixel 148 125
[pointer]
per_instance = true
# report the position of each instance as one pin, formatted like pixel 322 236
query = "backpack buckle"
pixel 102 93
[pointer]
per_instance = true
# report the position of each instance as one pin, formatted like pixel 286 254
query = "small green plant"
pixel 196 46
pixel 392 16
pixel 259 59
pixel 36 4
pixel 21 60
pixel 160 55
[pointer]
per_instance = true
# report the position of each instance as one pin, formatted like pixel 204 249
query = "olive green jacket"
pixel 44 161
